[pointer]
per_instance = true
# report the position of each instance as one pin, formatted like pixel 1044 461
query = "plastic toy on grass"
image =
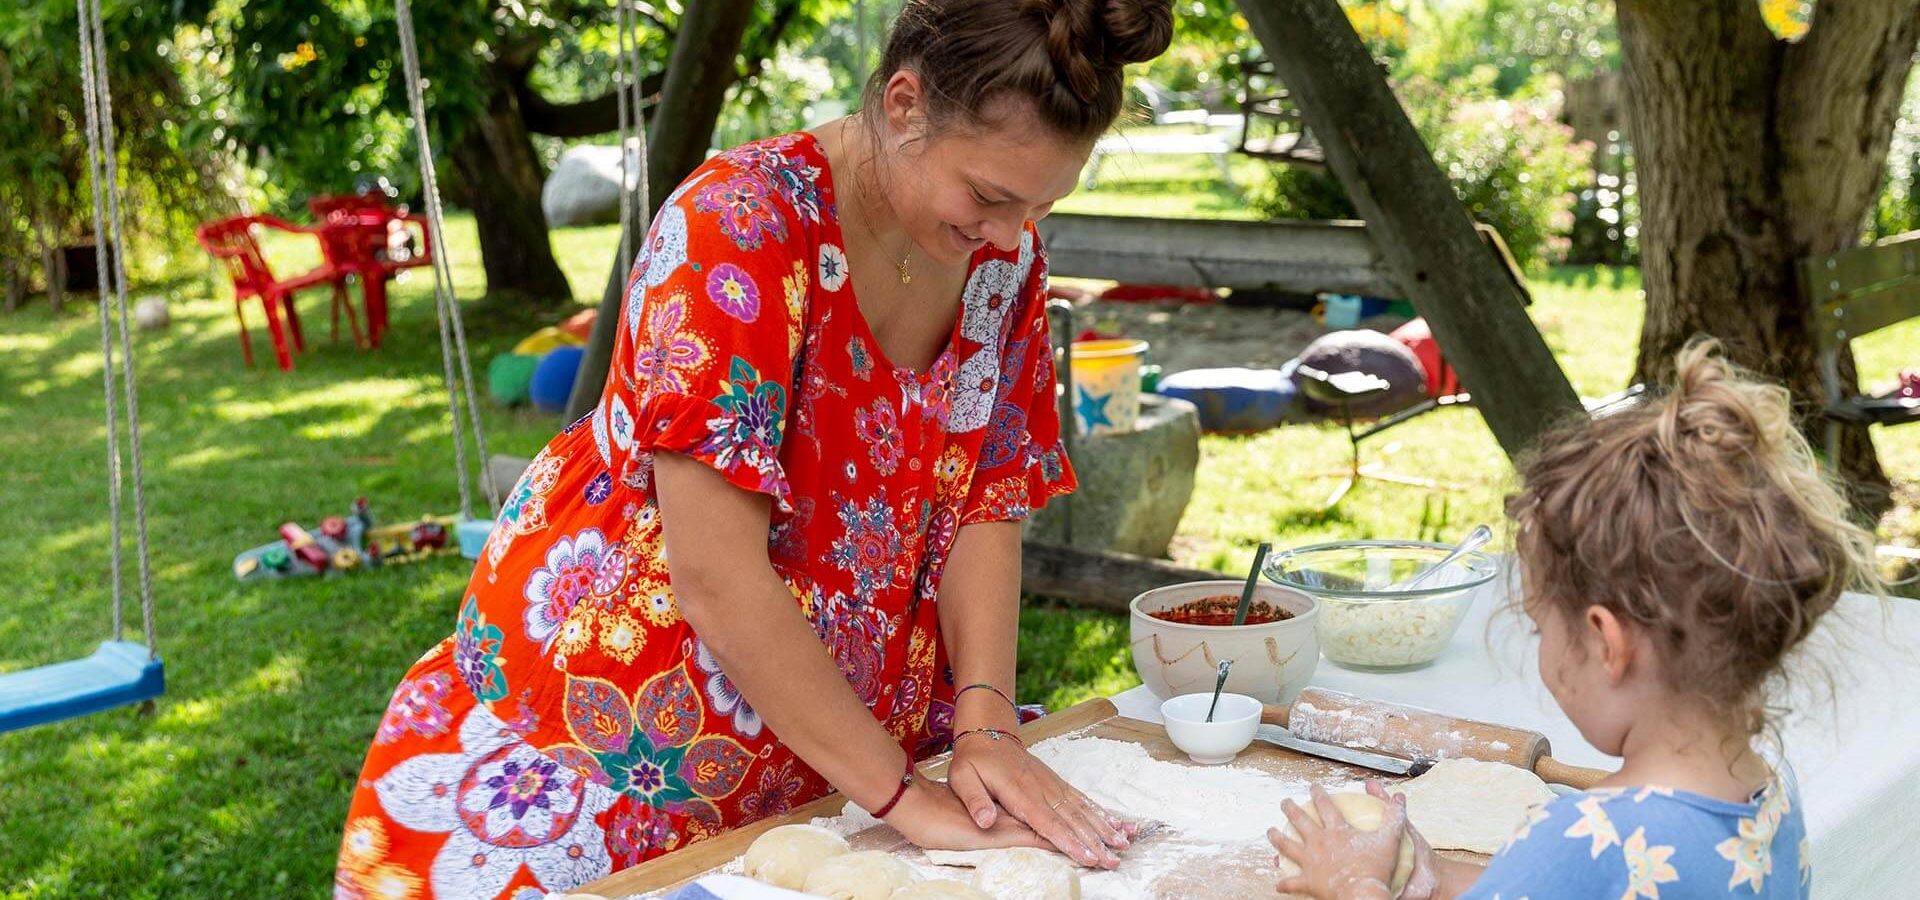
pixel 351 542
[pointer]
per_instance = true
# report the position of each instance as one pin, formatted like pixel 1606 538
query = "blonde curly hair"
pixel 1703 518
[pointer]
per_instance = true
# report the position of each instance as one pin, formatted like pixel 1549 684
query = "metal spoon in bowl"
pixel 1475 539
pixel 1218 685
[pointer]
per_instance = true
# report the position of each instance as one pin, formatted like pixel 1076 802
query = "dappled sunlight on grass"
pixel 189 715
pixel 212 455
pixel 373 394
pixel 280 676
pixel 25 343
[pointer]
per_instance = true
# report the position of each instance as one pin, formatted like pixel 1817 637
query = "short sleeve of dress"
pixel 703 365
pixel 1022 461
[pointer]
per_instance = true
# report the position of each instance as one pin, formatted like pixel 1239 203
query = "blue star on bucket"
pixel 1092 408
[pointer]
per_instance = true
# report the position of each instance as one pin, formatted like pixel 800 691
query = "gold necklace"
pixel 906 274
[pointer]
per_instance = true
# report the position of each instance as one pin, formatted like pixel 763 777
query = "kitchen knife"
pixel 1379 762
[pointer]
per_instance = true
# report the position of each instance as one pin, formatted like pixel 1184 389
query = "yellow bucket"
pixel 1106 385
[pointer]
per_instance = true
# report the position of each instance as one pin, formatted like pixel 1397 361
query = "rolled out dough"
pixel 1466 804
pixel 866 875
pixel 785 856
pixel 1017 872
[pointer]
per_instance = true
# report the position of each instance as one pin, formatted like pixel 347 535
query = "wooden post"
pixel 1415 218
pixel 698 73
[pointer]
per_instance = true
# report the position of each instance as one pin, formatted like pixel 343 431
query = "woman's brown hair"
pixel 1063 56
pixel 1700 517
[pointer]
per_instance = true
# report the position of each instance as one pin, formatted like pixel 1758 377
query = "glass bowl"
pixel 1367 621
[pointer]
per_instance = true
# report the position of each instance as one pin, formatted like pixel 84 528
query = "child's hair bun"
pixel 1717 414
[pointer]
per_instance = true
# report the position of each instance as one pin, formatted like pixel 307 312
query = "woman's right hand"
pixel 933 818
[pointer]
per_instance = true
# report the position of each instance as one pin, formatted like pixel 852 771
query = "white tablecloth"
pixel 1857 759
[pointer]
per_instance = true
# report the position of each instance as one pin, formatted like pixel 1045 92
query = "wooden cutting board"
pixel 1224 874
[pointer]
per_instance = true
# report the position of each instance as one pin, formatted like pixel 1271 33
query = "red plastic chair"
pixel 324 205
pixel 232 242
pixel 363 237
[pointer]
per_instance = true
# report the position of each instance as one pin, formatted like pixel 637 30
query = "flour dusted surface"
pixel 1211 820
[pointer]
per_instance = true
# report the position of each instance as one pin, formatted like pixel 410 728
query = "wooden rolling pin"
pixel 1331 717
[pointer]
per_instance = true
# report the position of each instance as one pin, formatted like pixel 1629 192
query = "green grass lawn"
pixel 237 784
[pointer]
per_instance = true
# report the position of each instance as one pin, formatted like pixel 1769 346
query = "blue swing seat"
pixel 119 673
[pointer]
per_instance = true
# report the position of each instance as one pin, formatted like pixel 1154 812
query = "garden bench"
pixel 1853 293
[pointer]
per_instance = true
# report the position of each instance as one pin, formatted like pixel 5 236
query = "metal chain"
pixel 127 379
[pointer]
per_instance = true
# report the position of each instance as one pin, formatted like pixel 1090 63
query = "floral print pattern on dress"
pixel 733 290
pixel 596 722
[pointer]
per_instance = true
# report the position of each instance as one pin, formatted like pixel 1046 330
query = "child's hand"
pixel 1338 861
pixel 1425 878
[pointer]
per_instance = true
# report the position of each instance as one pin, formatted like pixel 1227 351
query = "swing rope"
pixel 447 306
pixel 109 250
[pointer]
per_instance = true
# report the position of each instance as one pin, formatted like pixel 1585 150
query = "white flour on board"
pixel 1209 812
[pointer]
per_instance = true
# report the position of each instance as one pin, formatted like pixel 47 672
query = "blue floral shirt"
pixel 1656 843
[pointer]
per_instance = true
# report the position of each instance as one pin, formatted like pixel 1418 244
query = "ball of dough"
pixel 784 856
pixel 867 875
pixel 1028 873
pixel 1365 812
pixel 939 890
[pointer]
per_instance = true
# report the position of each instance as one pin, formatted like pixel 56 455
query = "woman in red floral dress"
pixel 757 572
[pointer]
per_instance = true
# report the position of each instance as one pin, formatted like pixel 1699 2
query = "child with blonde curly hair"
pixel 1671 557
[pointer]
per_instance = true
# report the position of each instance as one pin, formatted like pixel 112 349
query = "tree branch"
pixel 581 118
pixel 652 14
pixel 1839 96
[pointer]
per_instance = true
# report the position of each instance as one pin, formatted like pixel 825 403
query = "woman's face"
pixel 968 187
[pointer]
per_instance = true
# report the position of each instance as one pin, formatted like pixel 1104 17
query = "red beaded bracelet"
pixel 995 733
pixel 985 686
pixel 906 781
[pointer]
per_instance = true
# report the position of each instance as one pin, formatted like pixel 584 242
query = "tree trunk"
pixel 1753 153
pixel 1416 219
pixel 699 72
pixel 15 291
pixel 503 177
pixel 52 261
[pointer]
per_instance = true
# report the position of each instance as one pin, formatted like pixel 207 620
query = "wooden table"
pixel 1247 873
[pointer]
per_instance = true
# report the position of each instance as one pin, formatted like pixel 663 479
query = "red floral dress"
pixel 574 724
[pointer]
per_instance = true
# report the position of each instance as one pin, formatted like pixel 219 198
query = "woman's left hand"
pixel 989 771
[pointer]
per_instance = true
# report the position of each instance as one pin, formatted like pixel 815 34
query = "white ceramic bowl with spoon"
pixel 1219 741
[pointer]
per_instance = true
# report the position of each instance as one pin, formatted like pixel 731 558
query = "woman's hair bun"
pixel 1137 30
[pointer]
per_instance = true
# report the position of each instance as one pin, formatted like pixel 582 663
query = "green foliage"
pixel 1520 39
pixel 315 90
pixel 1513 165
pixel 167 172
pixel 1897 208
pixel 1291 192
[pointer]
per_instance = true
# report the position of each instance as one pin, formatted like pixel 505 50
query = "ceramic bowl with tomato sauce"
pixel 1181 632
